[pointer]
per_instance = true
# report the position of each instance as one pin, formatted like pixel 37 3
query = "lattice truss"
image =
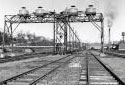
pixel 64 35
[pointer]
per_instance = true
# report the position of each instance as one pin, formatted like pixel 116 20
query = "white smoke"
pixel 111 11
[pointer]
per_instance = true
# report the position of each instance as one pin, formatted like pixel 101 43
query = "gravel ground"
pixel 115 63
pixel 10 69
pixel 69 75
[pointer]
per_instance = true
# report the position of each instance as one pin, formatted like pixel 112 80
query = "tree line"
pixel 23 39
pixel 6 38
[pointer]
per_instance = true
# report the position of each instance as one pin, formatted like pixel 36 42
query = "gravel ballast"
pixel 11 69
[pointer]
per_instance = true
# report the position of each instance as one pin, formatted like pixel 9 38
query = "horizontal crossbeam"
pixel 52 18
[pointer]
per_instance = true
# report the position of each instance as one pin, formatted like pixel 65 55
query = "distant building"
pixel 121 45
pixel 95 46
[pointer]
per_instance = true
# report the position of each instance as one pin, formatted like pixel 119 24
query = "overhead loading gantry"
pixel 65 38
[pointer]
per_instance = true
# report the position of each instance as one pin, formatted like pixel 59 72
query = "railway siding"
pixel 43 75
pixel 115 63
pixel 70 74
pixel 83 68
pixel 10 69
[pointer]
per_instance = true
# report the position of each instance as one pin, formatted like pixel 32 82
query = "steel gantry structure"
pixel 65 38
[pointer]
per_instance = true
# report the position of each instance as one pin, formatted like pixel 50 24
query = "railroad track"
pixel 97 73
pixel 36 75
pixel 116 54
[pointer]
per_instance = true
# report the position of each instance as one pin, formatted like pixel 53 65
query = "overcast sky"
pixel 86 31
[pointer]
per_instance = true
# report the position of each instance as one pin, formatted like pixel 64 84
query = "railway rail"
pixel 117 54
pixel 93 72
pixel 97 73
pixel 35 75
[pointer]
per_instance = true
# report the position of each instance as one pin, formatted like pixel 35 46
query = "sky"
pixel 113 11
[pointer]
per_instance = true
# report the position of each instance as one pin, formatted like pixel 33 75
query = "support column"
pixel 4 34
pixel 73 40
pixel 65 37
pixel 11 35
pixel 54 40
pixel 102 36
pixel 70 39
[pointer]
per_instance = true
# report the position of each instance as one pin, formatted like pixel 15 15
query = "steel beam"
pixel 102 35
pixel 61 24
